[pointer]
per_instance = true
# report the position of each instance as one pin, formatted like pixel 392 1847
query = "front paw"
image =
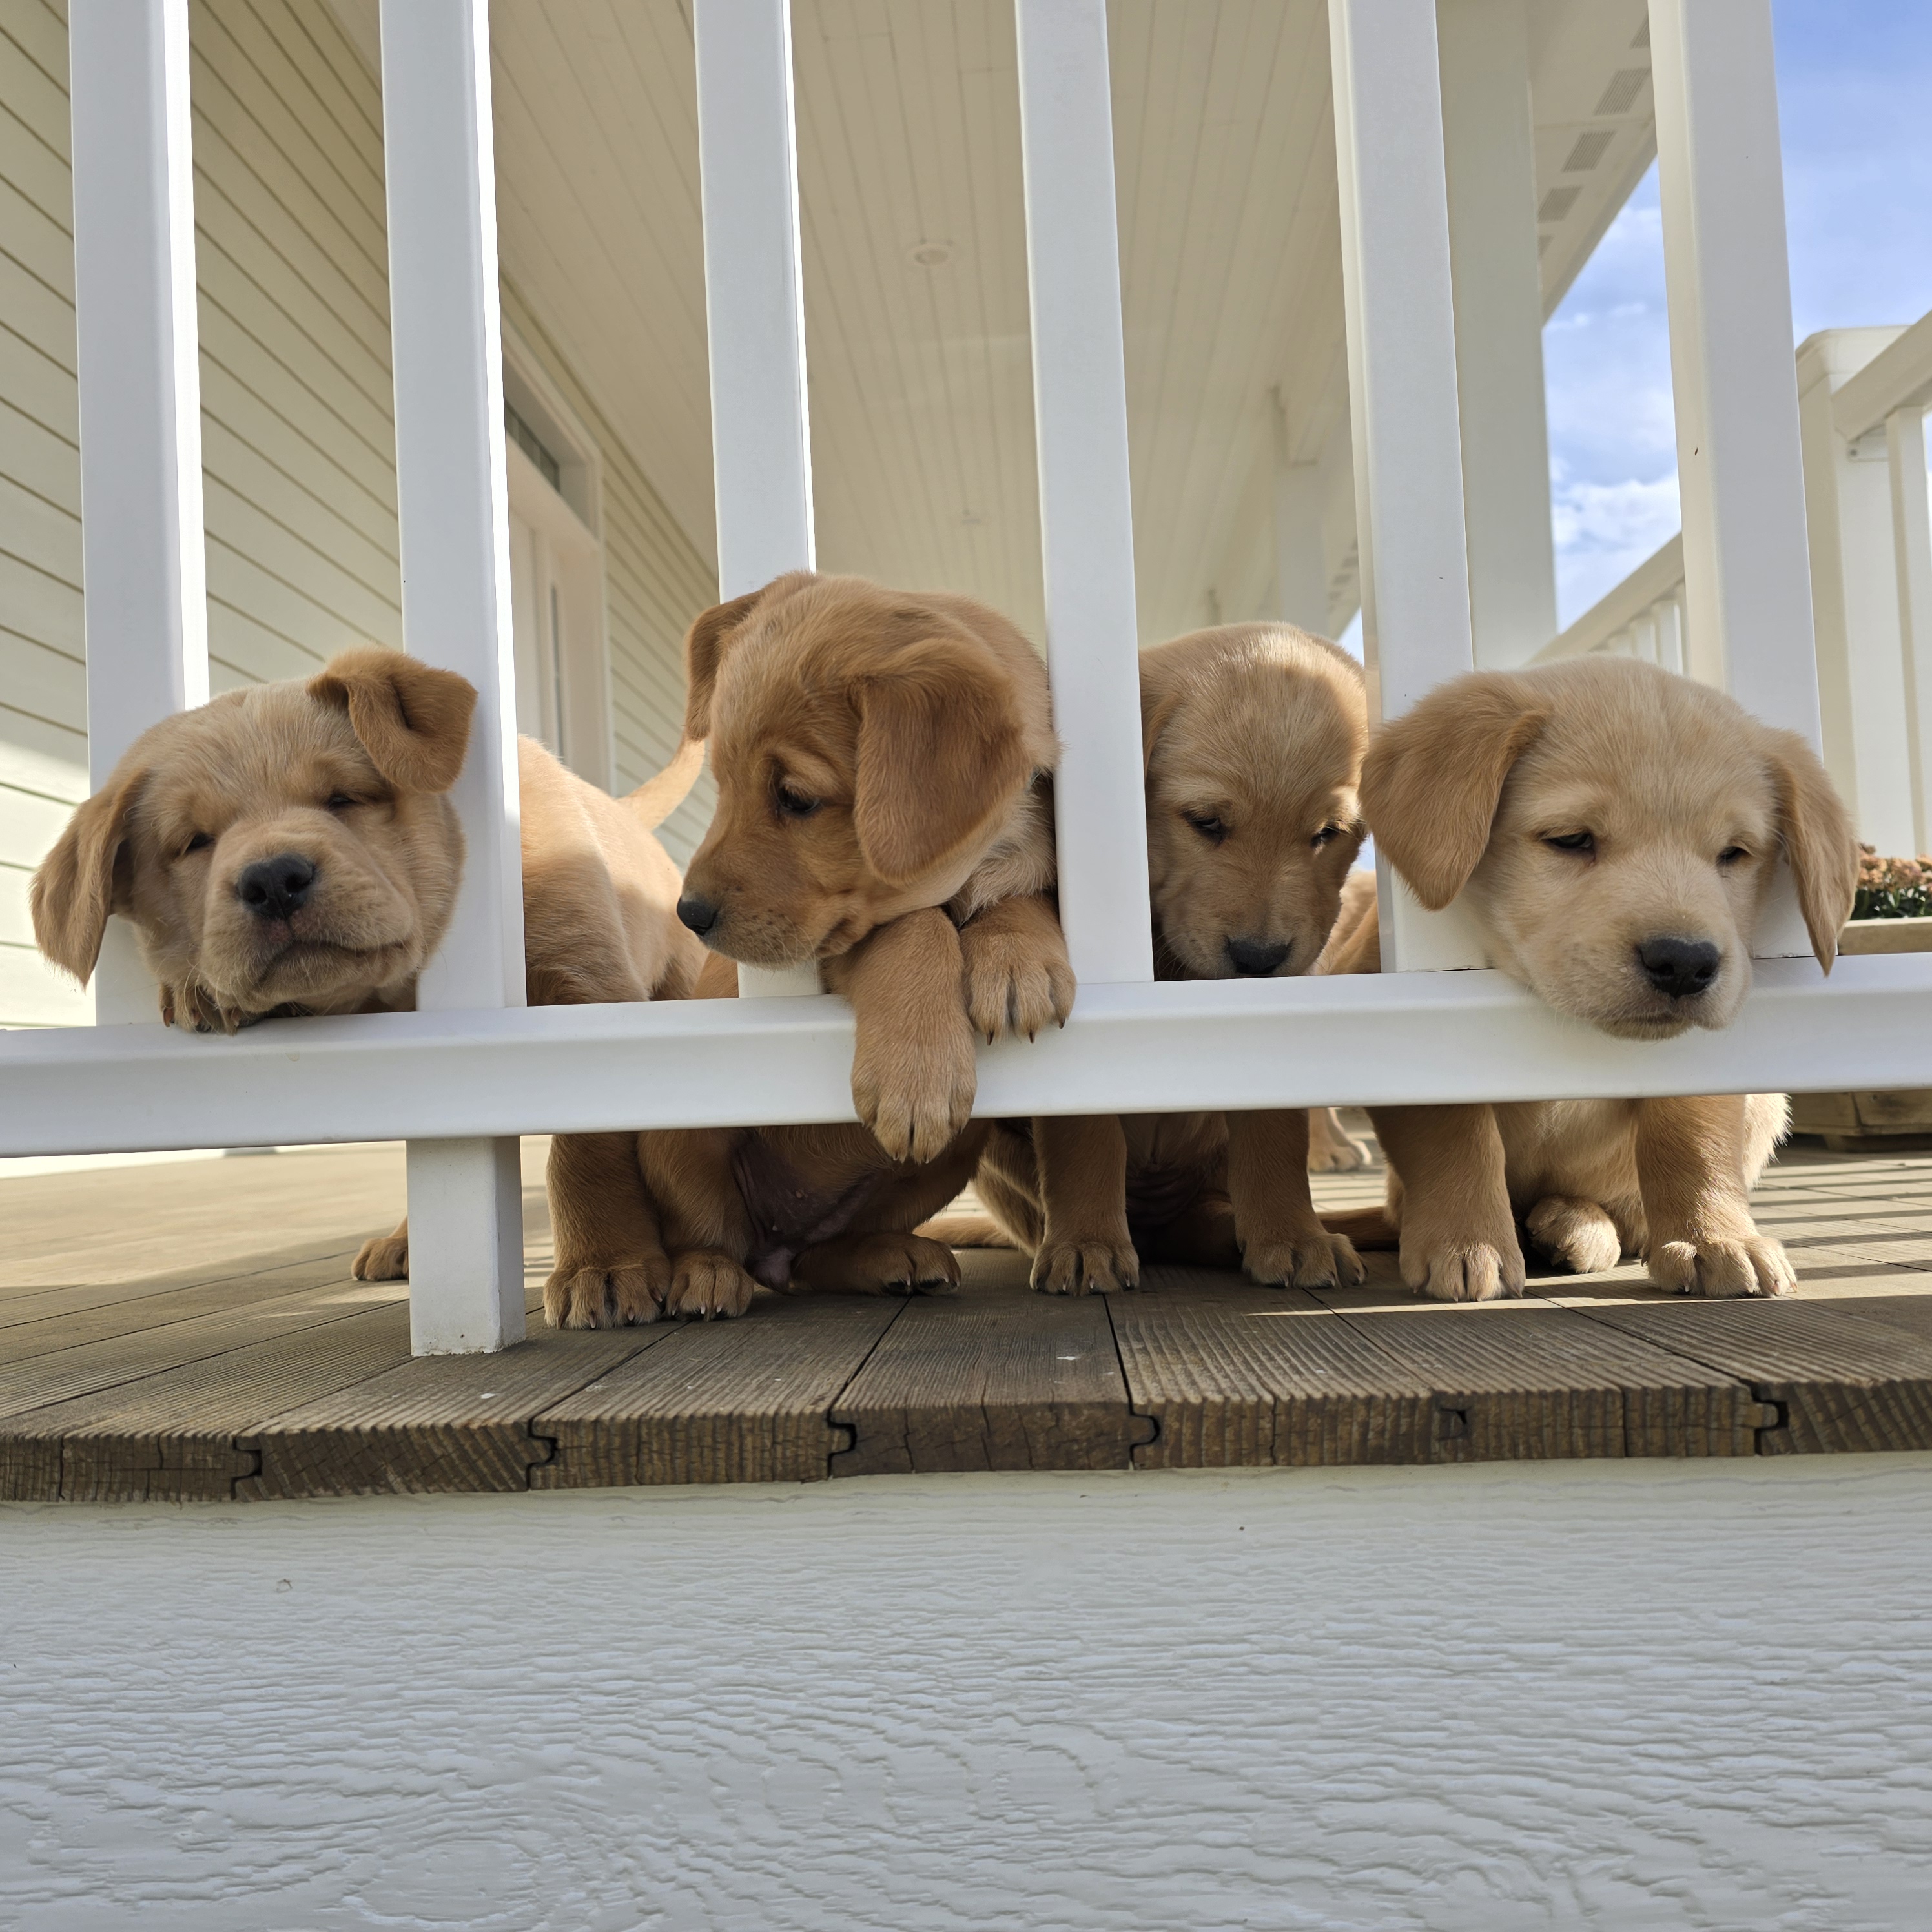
pixel 1097 1265
pixel 1315 1258
pixel 1460 1269
pixel 607 1295
pixel 193 1009
pixel 707 1285
pixel 1013 983
pixel 1577 1235
pixel 382 1257
pixel 1723 1269
pixel 1332 1149
pixel 914 1094
pixel 884 1264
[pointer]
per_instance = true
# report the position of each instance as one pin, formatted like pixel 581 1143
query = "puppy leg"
pixel 1084 1245
pixel 384 1257
pixel 882 1263
pixel 611 1268
pixel 1018 978
pixel 688 1174
pixel 912 1075
pixel 1580 1235
pixel 1274 1214
pixel 1690 1156
pixel 1458 1235
pixel 1332 1149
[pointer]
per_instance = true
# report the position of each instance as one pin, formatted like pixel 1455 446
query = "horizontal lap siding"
pixel 298 443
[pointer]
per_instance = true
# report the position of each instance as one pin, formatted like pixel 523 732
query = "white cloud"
pixel 1603 531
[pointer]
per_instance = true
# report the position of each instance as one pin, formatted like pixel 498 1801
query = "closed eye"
pixel 340 801
pixel 200 842
pixel 1327 835
pixel 1210 827
pixel 1584 842
pixel 1731 854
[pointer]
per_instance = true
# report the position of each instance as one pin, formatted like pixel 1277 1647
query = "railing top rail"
pixel 1898 378
pixel 1659 574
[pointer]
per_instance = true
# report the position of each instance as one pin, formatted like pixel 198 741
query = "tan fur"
pixel 916 731
pixel 1691 803
pixel 1253 737
pixel 350 770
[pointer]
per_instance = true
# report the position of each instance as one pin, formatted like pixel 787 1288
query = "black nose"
pixel 1251 956
pixel 1681 967
pixel 273 888
pixel 700 915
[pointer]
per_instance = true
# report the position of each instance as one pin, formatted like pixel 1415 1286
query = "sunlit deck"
pixel 191 1331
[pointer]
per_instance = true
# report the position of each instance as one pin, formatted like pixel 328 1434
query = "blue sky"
pixel 1855 101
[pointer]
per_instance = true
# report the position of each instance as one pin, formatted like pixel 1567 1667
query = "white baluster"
pixel 1086 500
pixel 1912 548
pixel 754 310
pixel 466 1202
pixel 142 560
pixel 1401 328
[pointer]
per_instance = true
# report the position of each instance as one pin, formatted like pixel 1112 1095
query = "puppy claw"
pixel 1464 1271
pixel 1723 1270
pixel 1318 1259
pixel 885 1264
pixel 600 1295
pixel 705 1286
pixel 1098 1266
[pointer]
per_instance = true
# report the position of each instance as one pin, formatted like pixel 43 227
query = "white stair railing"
pixel 476 1068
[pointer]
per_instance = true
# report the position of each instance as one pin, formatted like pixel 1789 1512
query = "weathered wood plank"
pixel 995 1378
pixel 1528 1381
pixel 439 1423
pixel 1234 1376
pixel 1838 1379
pixel 748 1401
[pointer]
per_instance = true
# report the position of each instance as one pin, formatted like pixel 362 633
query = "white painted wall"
pixel 1637 1695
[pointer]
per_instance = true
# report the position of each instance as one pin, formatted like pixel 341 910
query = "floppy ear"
pixel 704 645
pixel 1160 698
pixel 412 719
pixel 73 892
pixel 1820 844
pixel 1433 776
pixel 940 750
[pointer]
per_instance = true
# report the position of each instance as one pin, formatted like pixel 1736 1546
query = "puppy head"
pixel 1254 735
pixel 867 747
pixel 286 844
pixel 1617 830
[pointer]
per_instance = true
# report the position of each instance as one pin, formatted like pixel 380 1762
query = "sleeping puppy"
pixel 1253 736
pixel 290 849
pixel 882 764
pixel 1616 830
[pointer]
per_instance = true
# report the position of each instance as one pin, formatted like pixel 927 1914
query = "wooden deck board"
pixel 190 1332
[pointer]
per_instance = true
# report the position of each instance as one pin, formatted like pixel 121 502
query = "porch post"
pixel 1399 314
pixel 1491 165
pixel 1086 499
pixel 141 556
pixel 755 318
pixel 466 1200
pixel 1912 546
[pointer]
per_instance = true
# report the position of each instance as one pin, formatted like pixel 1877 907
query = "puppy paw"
pixel 1013 984
pixel 612 1294
pixel 914 1094
pixel 1313 1259
pixel 1575 1234
pixel 1096 1266
pixel 1332 1149
pixel 1726 1269
pixel 705 1285
pixel 193 1009
pixel 382 1257
pixel 1464 1270
pixel 884 1264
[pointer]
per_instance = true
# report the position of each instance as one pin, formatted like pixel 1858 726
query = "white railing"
pixel 459 1079
pixel 1641 617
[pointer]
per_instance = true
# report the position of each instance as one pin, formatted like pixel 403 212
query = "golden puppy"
pixel 290 849
pixel 1253 736
pixel 882 764
pixel 1616 830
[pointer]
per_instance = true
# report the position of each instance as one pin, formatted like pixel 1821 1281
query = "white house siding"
pixel 297 432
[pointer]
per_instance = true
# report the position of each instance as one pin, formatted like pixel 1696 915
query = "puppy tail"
pixel 966 1230
pixel 1366 1227
pixel 657 798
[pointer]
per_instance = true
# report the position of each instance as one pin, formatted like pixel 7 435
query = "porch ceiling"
pixel 915 261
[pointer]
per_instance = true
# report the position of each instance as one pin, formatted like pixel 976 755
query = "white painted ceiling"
pixel 909 149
